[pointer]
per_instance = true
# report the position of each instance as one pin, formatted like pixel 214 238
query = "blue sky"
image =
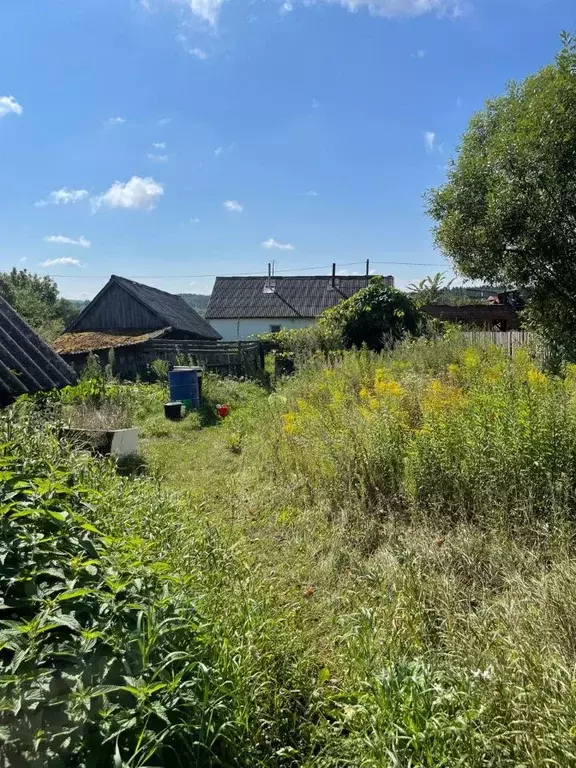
pixel 175 139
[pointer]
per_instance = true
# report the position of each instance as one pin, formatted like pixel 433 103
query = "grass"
pixel 380 554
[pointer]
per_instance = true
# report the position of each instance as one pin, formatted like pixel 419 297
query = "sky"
pixel 175 140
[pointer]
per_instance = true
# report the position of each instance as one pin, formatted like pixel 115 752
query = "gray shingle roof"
pixel 174 309
pixel 171 310
pixel 238 297
pixel 27 364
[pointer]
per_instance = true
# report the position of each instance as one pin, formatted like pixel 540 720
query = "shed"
pixel 241 307
pixel 27 364
pixel 126 316
pixel 125 307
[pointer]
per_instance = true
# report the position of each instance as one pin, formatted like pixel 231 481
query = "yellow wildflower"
pixel 471 358
pixel 289 423
pixel 391 388
pixel 441 396
pixel 364 394
pixel 536 377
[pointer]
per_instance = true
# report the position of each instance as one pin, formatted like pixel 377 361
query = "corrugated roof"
pixel 237 297
pixel 86 341
pixel 172 310
pixel 27 364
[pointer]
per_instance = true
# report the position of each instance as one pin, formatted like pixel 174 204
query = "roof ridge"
pixel 144 285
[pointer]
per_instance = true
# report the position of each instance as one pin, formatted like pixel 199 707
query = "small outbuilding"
pixel 27 364
pixel 127 317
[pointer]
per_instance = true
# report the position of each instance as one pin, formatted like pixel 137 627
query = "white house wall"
pixel 232 330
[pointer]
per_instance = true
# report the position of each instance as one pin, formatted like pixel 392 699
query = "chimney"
pixel 367 267
pixel 333 281
pixel 270 284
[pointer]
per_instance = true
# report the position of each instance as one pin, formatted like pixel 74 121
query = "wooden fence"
pixel 511 341
pixel 244 358
pixel 228 358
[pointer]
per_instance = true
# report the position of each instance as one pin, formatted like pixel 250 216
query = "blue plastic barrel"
pixel 184 386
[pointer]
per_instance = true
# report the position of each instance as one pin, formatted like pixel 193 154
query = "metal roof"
pixel 172 310
pixel 239 297
pixel 86 341
pixel 27 364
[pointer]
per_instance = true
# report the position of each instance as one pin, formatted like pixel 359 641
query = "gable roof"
pixel 238 297
pixel 27 364
pixel 171 310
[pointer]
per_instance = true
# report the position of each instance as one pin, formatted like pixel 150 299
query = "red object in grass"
pixel 222 411
pixel 310 590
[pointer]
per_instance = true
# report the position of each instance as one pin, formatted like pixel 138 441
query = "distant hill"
pixel 198 301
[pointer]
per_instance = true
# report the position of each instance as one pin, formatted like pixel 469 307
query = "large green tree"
pixel 507 213
pixel 36 298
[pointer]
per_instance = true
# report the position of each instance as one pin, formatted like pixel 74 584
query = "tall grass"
pixel 372 566
pixel 128 636
pixel 483 436
pixel 428 495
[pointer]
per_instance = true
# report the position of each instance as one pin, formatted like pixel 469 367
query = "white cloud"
pixel 114 121
pixel 206 10
pixel 429 139
pixel 272 243
pixel 138 193
pixel 287 7
pixel 9 106
pixel 310 193
pixel 391 9
pixel 315 103
pixel 199 53
pixel 233 205
pixel 420 53
pixel 221 150
pixel 65 261
pixel 63 240
pixel 159 145
pixel 194 221
pixel 164 121
pixel 23 259
pixel 157 158
pixel 64 196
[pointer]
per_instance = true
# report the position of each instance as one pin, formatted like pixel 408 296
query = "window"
pixel 275 328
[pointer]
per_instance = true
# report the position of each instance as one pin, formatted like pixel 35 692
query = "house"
pixel 241 307
pixel 127 317
pixel 27 364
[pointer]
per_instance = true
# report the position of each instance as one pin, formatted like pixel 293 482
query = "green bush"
pixel 378 316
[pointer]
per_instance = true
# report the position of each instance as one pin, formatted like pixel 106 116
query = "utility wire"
pixel 256 274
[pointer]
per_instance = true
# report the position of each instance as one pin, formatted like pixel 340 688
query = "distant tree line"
pixel 198 301
pixel 37 299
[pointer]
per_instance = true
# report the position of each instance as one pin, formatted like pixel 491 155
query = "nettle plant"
pixel 104 659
